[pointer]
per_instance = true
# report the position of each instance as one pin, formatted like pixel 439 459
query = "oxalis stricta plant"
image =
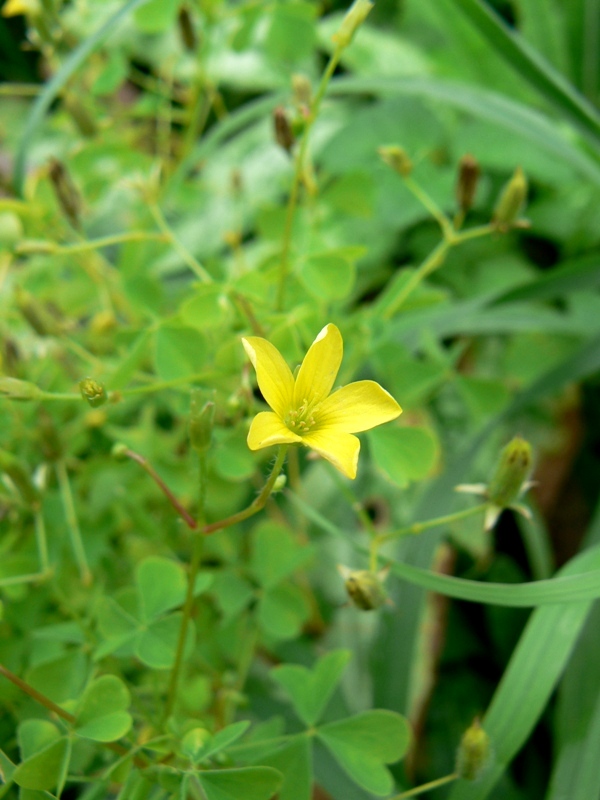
pixel 233 236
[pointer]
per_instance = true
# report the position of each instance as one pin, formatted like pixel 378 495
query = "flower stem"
pixel 43 246
pixel 425 787
pixel 257 504
pixel 149 469
pixel 197 547
pixel 37 696
pixel 41 541
pixel 419 527
pixel 185 254
pixel 284 264
pixel 72 522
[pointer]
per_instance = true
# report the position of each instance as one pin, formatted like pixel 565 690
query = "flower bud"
pixel 202 415
pixel 355 16
pixel 364 588
pixel 119 451
pixel 284 135
pixel 466 185
pixel 512 471
pixel 66 192
pixel 18 390
pixel 186 30
pixel 302 90
pixel 93 392
pixel 280 482
pixel 397 159
pixel 473 752
pixel 20 477
pixel 511 201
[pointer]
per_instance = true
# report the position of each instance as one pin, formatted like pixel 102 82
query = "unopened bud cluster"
pixel 93 392
pixel 474 752
pixel 511 201
pixel 511 474
pixel 365 588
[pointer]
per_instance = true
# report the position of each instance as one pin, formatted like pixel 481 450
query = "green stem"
pixel 257 504
pixel 185 254
pixel 149 469
pixel 419 527
pixel 31 577
pixel 43 246
pixel 425 787
pixel 72 522
pixel 41 541
pixel 152 387
pixel 431 206
pixel 284 265
pixel 197 547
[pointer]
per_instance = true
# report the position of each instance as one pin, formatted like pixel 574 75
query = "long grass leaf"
pixel 55 85
pixel 532 67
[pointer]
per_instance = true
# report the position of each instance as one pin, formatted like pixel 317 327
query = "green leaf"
pixel 102 715
pixel 295 764
pixel 328 276
pixel 34 735
pixel 311 690
pixel 404 454
pixel 6 768
pixel 276 554
pixel 292 33
pixel 157 644
pixel 156 15
pixel 46 769
pixel 283 610
pixel 161 584
pixel 364 743
pixel 208 308
pixel 222 740
pixel 249 783
pixel 179 351
pixel 62 678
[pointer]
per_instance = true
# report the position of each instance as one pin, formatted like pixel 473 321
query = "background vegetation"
pixel 150 216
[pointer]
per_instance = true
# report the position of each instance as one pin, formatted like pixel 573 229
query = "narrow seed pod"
pixel 19 475
pixel 93 392
pixel 473 754
pixel 37 315
pixel 202 415
pixel 186 29
pixel 355 16
pixel 511 201
pixel 466 185
pixel 284 135
pixel 67 194
pixel 396 158
pixel 512 471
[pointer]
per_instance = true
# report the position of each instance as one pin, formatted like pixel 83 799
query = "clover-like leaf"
pixel 311 690
pixel 102 712
pixel 249 783
pixel 364 743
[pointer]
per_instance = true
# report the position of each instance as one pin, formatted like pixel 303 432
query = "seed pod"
pixel 42 322
pixel 512 471
pixel 396 158
pixel 466 185
pixel 284 135
pixel 364 588
pixel 67 194
pixel 511 201
pixel 186 29
pixel 202 415
pixel 93 392
pixel 18 390
pixel 473 752
pixel 355 16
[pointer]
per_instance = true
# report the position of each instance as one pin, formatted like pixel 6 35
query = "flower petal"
pixel 275 379
pixel 320 367
pixel 341 449
pixel 267 429
pixel 357 407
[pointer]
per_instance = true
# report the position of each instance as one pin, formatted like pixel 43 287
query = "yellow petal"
pixel 13 7
pixel 275 379
pixel 341 449
pixel 357 407
pixel 267 429
pixel 320 367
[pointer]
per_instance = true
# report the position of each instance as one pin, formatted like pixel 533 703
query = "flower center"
pixel 301 420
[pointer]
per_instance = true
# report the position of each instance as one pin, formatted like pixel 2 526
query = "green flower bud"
pixel 364 588
pixel 194 742
pixel 67 194
pixel 355 16
pixel 466 185
pixel 280 482
pixel 119 451
pixel 397 159
pixel 512 471
pixel 284 135
pixel 93 392
pixel 473 752
pixel 18 390
pixel 202 415
pixel 511 201
pixel 302 89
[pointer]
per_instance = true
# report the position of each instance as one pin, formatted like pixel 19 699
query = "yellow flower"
pixel 12 8
pixel 304 409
